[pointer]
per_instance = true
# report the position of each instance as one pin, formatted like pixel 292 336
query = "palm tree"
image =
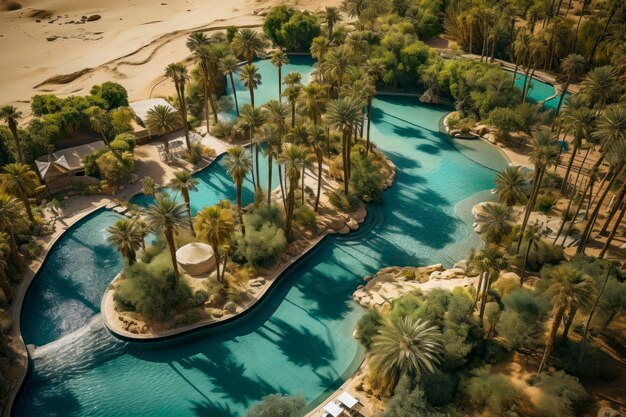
pixel 616 226
pixel 277 114
pixel 197 39
pixel 184 182
pixel 230 65
pixel 268 133
pixel 600 87
pixel 318 141
pixel 22 182
pixel 488 262
pixel 127 238
pixel 312 102
pixel 319 47
pixel 494 222
pixel 250 77
pixel 343 114
pixel 292 93
pixel 148 186
pixel 254 118
pixel 533 235
pixel 295 159
pixel 238 164
pixel 208 59
pixel 614 6
pixel 579 121
pixel 248 43
pixel 11 221
pixel 162 119
pixel 404 347
pixel 330 17
pixel 11 115
pixel 354 8
pixel 569 288
pixel 512 186
pixel 215 225
pixel 279 58
pixel 178 74
pixel 100 122
pixel 165 216
pixel 544 154
pixel 5 286
pixel 573 66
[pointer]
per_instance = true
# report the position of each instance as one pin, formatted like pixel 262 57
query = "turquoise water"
pixel 298 341
pixel 540 91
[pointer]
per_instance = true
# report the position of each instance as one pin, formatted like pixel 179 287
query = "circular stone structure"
pixel 196 258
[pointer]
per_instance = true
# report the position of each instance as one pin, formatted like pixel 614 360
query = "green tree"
pixel 279 58
pixel 165 216
pixel 512 186
pixel 114 94
pixel 209 61
pixel 330 17
pixel 404 347
pixel 572 66
pixel 238 163
pixel 268 133
pixel 250 77
pixel 22 182
pixel 294 158
pixel 127 238
pixel 254 118
pixel 579 121
pixel 488 262
pixel 100 121
pixel 343 114
pixel 230 65
pixel 184 182
pixel 11 222
pixel 248 43
pixel 569 288
pixel 162 119
pixel 532 235
pixel 215 225
pixel 11 115
pixel 178 74
pixel 494 222
pixel 197 39
pixel 600 87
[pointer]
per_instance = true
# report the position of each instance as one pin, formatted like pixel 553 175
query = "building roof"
pixel 141 107
pixel 70 158
pixel 58 165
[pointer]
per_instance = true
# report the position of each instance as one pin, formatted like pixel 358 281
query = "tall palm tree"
pixel 579 121
pixel 318 141
pixel 488 262
pixel 279 58
pixel 165 216
pixel 22 182
pixel 127 238
pixel 495 222
pixel 512 186
pixel 569 288
pixel 294 158
pixel 178 74
pixel 100 122
pixel 254 118
pixel 572 66
pixel 268 133
pixel 238 164
pixel 197 39
pixel 11 115
pixel 343 114
pixel 277 114
pixel 250 77
pixel 543 155
pixel 292 93
pixel 616 226
pixel 209 61
pixel 520 49
pixel 533 235
pixel 11 221
pixel 404 347
pixel 600 87
pixel 215 225
pixel 248 43
pixel 230 65
pixel 184 182
pixel 312 102
pixel 330 17
pixel 162 119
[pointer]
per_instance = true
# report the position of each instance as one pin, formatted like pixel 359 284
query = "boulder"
pixel 94 17
pixel 344 231
pixel 352 224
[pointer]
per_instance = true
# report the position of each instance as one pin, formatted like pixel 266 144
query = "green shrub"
pixel 6 322
pixel 551 180
pixel 342 202
pixel 521 322
pixel 438 387
pixel 407 403
pixel 277 405
pixel 89 162
pixel 264 239
pixel 560 394
pixel 365 178
pixel 119 145
pixel 222 130
pixel 367 327
pixel 545 202
pixel 114 94
pixel 484 391
pixel 306 218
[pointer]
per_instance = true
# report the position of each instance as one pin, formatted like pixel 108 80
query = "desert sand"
pixel 63 47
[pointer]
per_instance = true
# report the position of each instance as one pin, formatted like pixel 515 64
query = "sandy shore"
pixel 50 46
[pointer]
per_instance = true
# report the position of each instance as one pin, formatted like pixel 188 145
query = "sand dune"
pixel 66 46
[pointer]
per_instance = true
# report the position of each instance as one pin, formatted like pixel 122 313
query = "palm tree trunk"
pixel 531 204
pixel 282 186
pixel 569 168
pixel 558 316
pixel 293 114
pixel 478 290
pixel 369 121
pixel 564 217
pixel 346 139
pixel 217 262
pixel 567 323
pixel 256 162
pixel 269 179
pixel 16 139
pixel 302 188
pixel 188 207
pixel 169 236
pixel 239 209
pixel 213 107
pixel 206 103
pixel 320 162
pixel 580 204
pixel 523 274
pixel 280 83
pixel 232 85
pixel 620 198
pixel 607 244
pixel 580 18
pixel 601 36
pixel 580 168
pixel 583 343
pixel 589 227
pixel 515 71
pixel 16 256
pixel 29 211
pixel 251 95
pixel 562 97
pixel 293 184
pixel 485 294
pixel 180 90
